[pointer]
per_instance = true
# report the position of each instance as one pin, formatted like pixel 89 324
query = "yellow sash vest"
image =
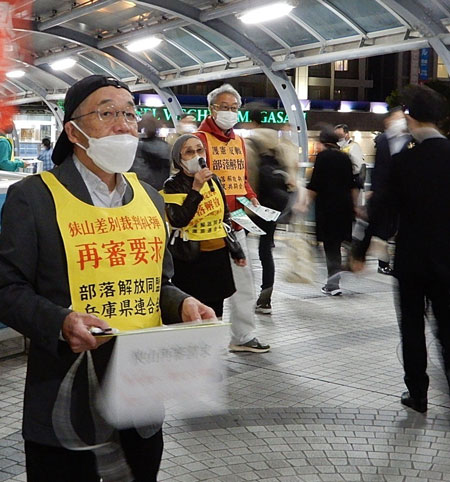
pixel 208 221
pixel 228 163
pixel 114 256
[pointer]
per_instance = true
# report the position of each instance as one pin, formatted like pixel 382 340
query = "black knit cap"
pixel 74 97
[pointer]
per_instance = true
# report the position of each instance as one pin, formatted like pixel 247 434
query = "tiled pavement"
pixel 322 406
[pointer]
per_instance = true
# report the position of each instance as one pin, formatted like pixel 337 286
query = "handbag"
pixel 233 245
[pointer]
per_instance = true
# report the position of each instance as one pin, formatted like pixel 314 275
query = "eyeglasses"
pixel 110 115
pixel 233 108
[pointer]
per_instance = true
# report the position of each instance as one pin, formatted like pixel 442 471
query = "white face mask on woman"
pixel 111 154
pixel 226 119
pixel 192 166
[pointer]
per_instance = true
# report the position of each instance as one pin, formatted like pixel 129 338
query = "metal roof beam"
pixel 206 77
pixel 42 94
pixel 442 50
pixel 75 13
pixel 355 53
pixel 418 15
pixel 231 30
pixel 147 71
pixel 48 59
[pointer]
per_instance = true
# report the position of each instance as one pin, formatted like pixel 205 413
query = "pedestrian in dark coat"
pixel 418 189
pixel 331 185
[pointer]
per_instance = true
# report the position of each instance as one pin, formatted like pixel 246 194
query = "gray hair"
pixel 223 89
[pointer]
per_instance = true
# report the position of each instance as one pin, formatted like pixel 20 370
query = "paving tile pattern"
pixel 322 406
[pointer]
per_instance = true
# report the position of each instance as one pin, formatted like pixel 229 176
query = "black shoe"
pixel 417 404
pixel 386 270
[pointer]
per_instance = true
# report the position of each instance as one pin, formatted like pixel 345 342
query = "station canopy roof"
pixel 205 40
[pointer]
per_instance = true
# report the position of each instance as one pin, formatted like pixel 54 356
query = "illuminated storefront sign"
pixel 201 113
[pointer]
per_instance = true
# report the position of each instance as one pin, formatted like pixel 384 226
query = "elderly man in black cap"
pixel 83 248
pixel 418 190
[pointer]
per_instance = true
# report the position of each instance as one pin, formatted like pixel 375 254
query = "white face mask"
pixel 226 119
pixel 111 154
pixel 341 142
pixel 186 128
pixel 397 127
pixel 191 166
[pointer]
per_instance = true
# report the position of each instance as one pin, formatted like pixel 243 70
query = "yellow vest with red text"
pixel 207 223
pixel 227 161
pixel 114 256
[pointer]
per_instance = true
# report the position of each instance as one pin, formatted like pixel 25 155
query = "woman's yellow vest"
pixel 114 256
pixel 207 223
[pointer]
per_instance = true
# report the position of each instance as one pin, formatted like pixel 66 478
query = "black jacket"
pixel 181 216
pixel 418 190
pixel 152 164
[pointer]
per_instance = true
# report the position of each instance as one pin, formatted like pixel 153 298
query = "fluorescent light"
pixel 15 74
pixel 264 14
pixel 145 43
pixel 378 107
pixel 63 64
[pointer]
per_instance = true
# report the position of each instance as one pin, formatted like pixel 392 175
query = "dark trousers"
pixel 216 305
pixel 265 253
pixel 412 293
pixel 56 464
pixel 332 248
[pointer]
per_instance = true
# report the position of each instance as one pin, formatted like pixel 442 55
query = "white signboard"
pixel 268 214
pixel 178 366
pixel 239 217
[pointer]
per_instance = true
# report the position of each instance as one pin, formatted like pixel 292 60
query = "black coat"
pixel 332 179
pixel 152 162
pixel 383 218
pixel 35 298
pixel 419 191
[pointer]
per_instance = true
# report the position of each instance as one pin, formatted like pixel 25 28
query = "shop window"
pixel 341 66
pixel 442 72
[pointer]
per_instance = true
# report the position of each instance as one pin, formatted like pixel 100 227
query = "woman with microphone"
pixel 201 237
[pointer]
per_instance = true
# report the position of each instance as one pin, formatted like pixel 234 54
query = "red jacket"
pixel 208 125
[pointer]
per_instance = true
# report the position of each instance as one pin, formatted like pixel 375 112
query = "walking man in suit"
pixel 418 190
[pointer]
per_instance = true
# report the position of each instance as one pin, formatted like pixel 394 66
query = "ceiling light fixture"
pixel 15 74
pixel 145 43
pixel 265 14
pixel 63 64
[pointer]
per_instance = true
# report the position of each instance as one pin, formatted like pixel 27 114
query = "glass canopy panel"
pixel 292 33
pixel 222 43
pixel 151 57
pixel 261 39
pixel 44 42
pixel 323 20
pixel 176 55
pixel 199 49
pixel 368 14
pixel 92 66
pixel 110 18
pixel 109 64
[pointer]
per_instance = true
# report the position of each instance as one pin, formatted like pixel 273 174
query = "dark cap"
pixel 74 97
pixel 424 104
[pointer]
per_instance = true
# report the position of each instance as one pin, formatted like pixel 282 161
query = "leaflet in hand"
pixel 239 217
pixel 267 214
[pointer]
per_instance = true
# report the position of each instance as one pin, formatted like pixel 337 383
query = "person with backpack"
pixel 273 164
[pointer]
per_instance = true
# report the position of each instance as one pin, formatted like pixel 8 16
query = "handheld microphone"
pixel 202 163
